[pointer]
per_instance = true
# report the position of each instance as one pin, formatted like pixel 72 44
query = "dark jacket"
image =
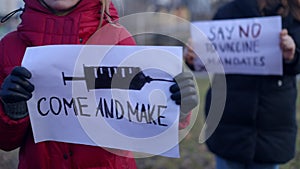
pixel 259 119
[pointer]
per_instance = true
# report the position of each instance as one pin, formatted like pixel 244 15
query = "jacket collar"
pixel 40 27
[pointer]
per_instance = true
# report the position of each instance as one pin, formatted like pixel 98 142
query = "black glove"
pixel 184 93
pixel 16 90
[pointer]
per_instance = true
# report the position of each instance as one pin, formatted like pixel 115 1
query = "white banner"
pixel 110 96
pixel 239 46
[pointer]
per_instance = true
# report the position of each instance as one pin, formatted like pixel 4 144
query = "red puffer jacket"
pixel 40 27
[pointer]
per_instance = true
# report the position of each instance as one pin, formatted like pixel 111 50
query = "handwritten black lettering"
pixel 119 105
pixel 160 116
pixel 58 105
pixel 39 107
pixel 81 106
pixel 234 47
pixel 255 29
pixel 220 33
pixel 110 109
pixel 70 105
pixel 256 61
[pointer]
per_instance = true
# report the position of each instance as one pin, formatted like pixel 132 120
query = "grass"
pixel 193 154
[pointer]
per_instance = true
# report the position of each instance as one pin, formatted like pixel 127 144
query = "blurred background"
pixel 171 31
pixel 187 9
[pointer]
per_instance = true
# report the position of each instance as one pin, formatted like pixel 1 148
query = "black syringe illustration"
pixel 103 77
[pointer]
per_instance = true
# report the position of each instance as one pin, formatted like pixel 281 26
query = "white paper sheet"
pixel 78 97
pixel 239 46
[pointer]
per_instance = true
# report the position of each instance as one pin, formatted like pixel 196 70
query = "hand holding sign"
pixel 189 53
pixel 184 93
pixel 16 90
pixel 287 45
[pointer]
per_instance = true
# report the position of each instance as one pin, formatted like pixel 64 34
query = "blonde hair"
pixel 105 11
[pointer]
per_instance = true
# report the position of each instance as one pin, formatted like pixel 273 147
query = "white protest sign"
pixel 239 46
pixel 110 96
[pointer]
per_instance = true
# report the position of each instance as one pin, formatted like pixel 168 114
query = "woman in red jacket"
pixel 48 22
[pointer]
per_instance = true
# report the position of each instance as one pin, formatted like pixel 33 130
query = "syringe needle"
pixel 68 78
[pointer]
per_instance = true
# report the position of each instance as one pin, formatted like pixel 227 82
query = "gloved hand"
pixel 16 90
pixel 184 93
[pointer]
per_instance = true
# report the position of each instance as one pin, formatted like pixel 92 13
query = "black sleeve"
pixel 293 67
